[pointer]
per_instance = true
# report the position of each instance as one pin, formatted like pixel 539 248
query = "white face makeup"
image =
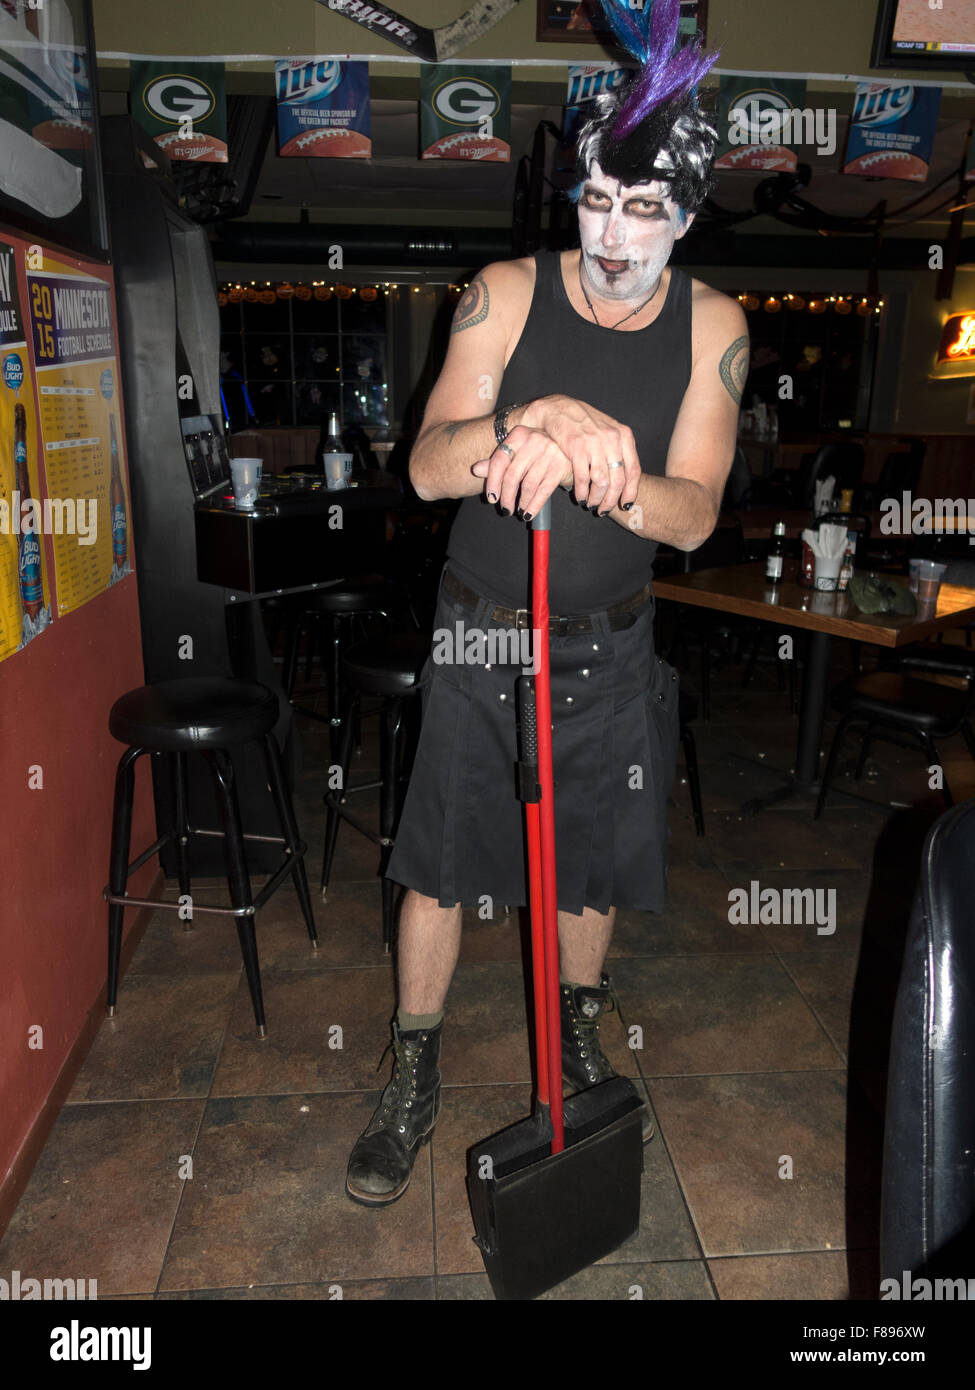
pixel 627 232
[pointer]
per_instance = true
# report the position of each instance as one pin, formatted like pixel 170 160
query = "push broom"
pixel 557 1191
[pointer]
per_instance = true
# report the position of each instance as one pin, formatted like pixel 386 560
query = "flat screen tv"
pixel 910 33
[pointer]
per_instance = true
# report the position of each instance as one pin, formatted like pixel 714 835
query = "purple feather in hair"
pixel 668 70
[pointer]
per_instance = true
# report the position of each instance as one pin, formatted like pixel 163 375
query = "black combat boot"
pixel 584 1063
pixel 381 1164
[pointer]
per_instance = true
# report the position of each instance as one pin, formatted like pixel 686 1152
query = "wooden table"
pixel 742 589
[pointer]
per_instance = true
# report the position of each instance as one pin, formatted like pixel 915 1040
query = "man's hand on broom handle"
pixel 558 441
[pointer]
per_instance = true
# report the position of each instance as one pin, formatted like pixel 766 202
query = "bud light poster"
pixel 465 112
pixel 25 605
pixel 892 130
pixel 183 106
pixel 323 109
pixel 759 121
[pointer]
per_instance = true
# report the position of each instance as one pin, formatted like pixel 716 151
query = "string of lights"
pixel 233 292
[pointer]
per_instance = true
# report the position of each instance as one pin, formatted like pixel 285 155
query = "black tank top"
pixel 638 378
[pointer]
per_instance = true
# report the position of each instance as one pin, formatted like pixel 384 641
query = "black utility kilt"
pixel 615 732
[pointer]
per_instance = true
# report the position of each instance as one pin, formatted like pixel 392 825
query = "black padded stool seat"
pixel 365 594
pixel 889 696
pixel 386 665
pixel 206 717
pixel 185 715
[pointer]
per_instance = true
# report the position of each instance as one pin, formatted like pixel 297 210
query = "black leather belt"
pixel 621 615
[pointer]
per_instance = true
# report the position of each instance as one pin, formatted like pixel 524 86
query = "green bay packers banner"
pixel 760 120
pixel 465 112
pixel 323 108
pixel 183 106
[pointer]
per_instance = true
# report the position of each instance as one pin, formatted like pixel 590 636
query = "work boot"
pixel 584 1063
pixel 381 1164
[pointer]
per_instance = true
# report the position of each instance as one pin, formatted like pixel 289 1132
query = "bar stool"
pixel 207 716
pixel 387 668
pixel 369 595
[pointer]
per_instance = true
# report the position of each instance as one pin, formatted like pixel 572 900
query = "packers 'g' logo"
pixel 466 101
pixel 174 97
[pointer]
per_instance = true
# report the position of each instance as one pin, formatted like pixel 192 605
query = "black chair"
pixel 900 473
pixel 387 668
pixel 927 1220
pixel 208 716
pixel 900 709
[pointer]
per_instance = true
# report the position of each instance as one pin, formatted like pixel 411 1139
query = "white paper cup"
pixel 246 477
pixel 337 469
pixel 827 572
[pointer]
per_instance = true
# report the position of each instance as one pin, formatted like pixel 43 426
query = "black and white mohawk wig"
pixel 652 128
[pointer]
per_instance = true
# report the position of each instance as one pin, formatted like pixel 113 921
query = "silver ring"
pixel 618 464
pixel 507 449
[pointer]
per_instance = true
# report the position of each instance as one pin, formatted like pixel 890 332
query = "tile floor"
pixel 763 1057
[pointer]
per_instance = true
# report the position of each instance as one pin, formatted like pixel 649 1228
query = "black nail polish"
pixel 492 496
pixel 520 514
pixel 626 506
pixel 504 511
pixel 528 516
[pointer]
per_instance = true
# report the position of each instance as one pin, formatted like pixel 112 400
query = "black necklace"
pixel 631 315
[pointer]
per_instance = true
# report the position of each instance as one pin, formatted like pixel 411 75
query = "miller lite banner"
pixel 760 120
pixel 183 106
pixel 892 130
pixel 465 112
pixel 323 108
pixel 586 82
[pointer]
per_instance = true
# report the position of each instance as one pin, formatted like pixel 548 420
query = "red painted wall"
pixel 55 698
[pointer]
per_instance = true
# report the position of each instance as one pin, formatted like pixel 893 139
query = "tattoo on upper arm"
pixel 472 307
pixel 734 368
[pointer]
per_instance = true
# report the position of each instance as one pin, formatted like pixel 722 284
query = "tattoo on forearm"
pixel 472 307
pixel 734 368
pixel 452 427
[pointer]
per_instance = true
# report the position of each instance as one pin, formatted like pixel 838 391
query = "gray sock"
pixel 411 1023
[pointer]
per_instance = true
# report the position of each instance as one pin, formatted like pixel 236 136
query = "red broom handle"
pixel 546 812
pixel 534 832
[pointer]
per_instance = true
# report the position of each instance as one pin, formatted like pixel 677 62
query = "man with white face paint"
pixel 608 381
